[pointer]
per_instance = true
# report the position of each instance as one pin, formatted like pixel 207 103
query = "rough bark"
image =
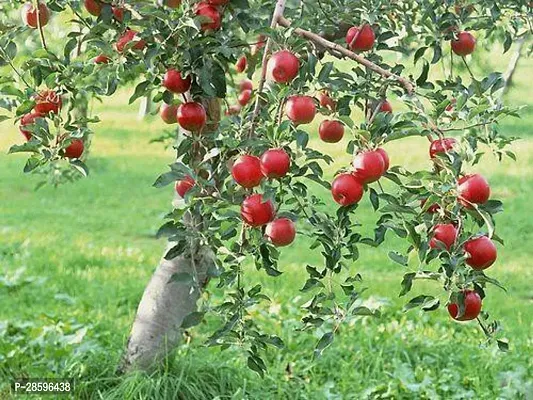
pixel 513 64
pixel 164 304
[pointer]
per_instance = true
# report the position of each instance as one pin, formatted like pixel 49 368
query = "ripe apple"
pixel 331 131
pixel 281 232
pixel 191 116
pixel 244 97
pixel 472 304
pixel 47 101
pixel 444 233
pixel 440 146
pixel 283 66
pixel 118 13
pixel 326 101
pixel 211 15
pixel 246 171
pixel 464 45
pixel 346 189
pixel 27 121
pixel 300 109
pixel 246 84
pixel 257 212
pixel 385 156
pixel 449 107
pixel 168 113
pixel 385 107
pixel 481 252
pixel 93 7
pixel 360 39
pixel 102 59
pixel 74 149
pixel 173 81
pixel 184 185
pixel 29 15
pixel 128 36
pixel 241 64
pixel 275 163
pixel 432 209
pixel 473 189
pixel 368 166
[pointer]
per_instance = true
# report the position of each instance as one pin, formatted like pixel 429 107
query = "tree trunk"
pixel 164 304
pixel 513 64
pixel 157 326
pixel 145 107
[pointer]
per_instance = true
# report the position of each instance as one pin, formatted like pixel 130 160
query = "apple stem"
pixel 337 50
pixel 276 16
pixel 41 33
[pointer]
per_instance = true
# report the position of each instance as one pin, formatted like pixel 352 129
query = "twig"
pixel 276 16
pixel 469 126
pixel 39 26
pixel 10 62
pixel 336 49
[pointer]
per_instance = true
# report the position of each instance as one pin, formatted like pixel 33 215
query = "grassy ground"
pixel 74 262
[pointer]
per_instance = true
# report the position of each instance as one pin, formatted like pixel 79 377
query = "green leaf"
pixel 323 76
pixel 140 90
pixel 407 283
pixel 192 319
pixel 398 258
pixel 323 343
pixel 182 277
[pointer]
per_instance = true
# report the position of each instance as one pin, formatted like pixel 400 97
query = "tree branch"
pixel 276 16
pixel 335 49
pixel 39 26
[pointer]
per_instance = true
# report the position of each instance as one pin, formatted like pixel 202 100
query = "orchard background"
pixel 75 259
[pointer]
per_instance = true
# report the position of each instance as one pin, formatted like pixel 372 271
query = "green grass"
pixel 85 251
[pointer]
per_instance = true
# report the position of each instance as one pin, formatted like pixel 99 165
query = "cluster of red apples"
pixel 47 103
pixel 480 251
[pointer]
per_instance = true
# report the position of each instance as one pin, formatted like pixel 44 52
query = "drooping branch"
pixel 276 16
pixel 39 25
pixel 336 49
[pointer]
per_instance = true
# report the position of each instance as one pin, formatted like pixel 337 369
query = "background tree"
pixel 185 53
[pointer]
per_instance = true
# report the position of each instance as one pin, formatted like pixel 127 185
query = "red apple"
pixel 246 84
pixel 174 82
pixel 368 166
pixel 449 107
pixel 74 149
pixel 94 7
pixel 300 109
pixel 346 190
pixel 472 305
pixel 331 131
pixel 127 37
pixel 241 64
pixel 118 13
pixel 246 171
pixel 191 116
pixel 326 101
pixel 27 121
pixel 360 39
pixel 440 146
pixel 464 45
pixel 211 16
pixel 432 209
pixel 275 163
pixel 473 189
pixel 481 252
pixel 283 66
pixel 444 233
pixel 168 113
pixel 244 97
pixel 184 185
pixel 385 156
pixel 29 14
pixel 281 232
pixel 385 107
pixel 47 101
pixel 257 212
pixel 102 59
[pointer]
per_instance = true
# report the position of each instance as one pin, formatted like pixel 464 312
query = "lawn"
pixel 74 262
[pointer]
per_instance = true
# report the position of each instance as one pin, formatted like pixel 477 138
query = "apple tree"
pixel 248 182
